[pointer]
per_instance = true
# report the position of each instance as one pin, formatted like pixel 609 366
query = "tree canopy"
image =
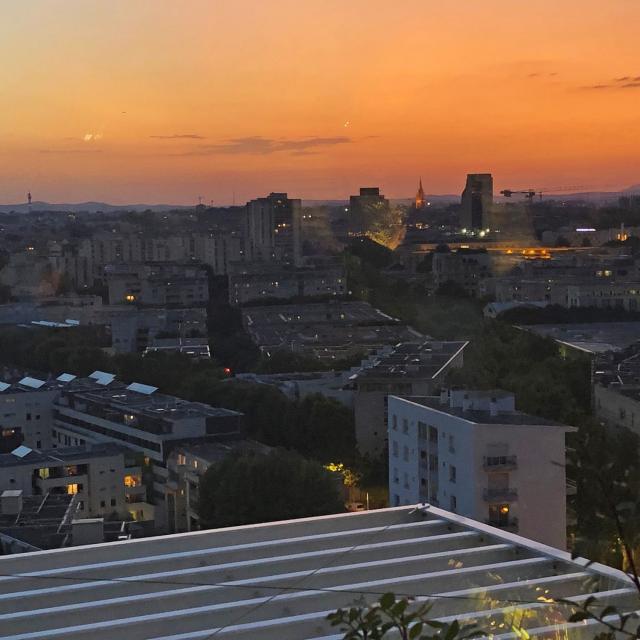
pixel 255 488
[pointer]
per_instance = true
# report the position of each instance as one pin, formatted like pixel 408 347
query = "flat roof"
pixel 55 457
pixel 479 416
pixel 591 337
pixel 280 580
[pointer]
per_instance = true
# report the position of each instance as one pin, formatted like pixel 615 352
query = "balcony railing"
pixel 507 494
pixel 507 525
pixel 500 462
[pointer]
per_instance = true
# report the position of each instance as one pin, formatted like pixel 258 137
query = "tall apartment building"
pixel 273 229
pixel 365 208
pixel 477 202
pixel 472 453
pixel 153 424
pixel 464 267
pixel 408 369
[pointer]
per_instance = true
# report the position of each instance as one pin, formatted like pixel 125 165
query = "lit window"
pixel 72 489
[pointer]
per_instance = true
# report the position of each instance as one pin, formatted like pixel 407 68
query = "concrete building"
pixel 477 202
pixel 187 464
pixel 279 581
pixel 151 423
pixel 134 329
pixel 474 454
pixel 273 229
pixel 366 208
pixel 26 413
pixel 325 330
pixel 408 369
pixel 465 267
pixel 263 281
pixel 158 284
pixel 107 478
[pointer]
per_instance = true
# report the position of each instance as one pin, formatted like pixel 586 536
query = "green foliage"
pixel 556 314
pixel 393 617
pixel 317 427
pixel 284 361
pixel 253 488
pixel 371 252
pixel 544 383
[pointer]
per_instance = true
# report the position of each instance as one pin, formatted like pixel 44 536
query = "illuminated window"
pixel 130 297
pixel 43 473
pixel 72 489
pixel 132 481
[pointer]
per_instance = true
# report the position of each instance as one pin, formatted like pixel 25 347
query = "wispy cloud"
pixel 179 136
pixel 258 145
pixel 542 74
pixel 64 151
pixel 623 82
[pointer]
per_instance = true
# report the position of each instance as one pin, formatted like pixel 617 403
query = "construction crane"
pixel 530 194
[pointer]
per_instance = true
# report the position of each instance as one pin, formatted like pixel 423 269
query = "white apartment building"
pixel 472 453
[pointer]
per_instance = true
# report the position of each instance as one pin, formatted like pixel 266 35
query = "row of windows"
pixel 117 435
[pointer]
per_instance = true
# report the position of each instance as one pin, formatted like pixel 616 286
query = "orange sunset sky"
pixel 165 100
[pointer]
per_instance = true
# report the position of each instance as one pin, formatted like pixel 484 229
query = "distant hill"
pixel 91 207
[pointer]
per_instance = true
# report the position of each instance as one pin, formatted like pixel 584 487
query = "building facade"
pixel 474 454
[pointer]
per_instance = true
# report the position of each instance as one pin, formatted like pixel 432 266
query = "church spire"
pixel 420 198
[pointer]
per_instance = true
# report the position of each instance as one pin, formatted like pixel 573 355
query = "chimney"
pixel 444 396
pixel 11 502
pixel 466 402
pixel 493 407
pixel 87 531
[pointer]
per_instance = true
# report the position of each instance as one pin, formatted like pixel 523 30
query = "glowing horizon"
pixel 160 101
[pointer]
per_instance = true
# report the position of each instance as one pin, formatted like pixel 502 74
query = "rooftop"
pixel 279 580
pixel 591 337
pixel 54 457
pixel 482 416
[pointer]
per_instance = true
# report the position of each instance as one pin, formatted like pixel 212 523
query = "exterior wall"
pixel 465 268
pixel 31 413
pixel 616 409
pixel 441 458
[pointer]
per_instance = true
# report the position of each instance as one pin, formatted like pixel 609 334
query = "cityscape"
pixel 341 381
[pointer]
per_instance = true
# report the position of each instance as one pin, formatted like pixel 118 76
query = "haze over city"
pixel 158 101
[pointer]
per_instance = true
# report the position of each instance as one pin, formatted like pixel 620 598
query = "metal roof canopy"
pixel 145 389
pixel 32 383
pixel 280 580
pixel 4 386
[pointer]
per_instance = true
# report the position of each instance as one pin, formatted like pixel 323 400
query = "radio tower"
pixel 29 201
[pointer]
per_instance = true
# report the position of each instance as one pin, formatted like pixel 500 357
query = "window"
pixel 422 430
pixel 103 504
pixel 453 503
pixel 405 426
pixel 394 423
pixel 405 453
pixel 452 473
pixel 72 489
pixel 38 444
pixel 452 444
pixel 113 502
pixel 395 449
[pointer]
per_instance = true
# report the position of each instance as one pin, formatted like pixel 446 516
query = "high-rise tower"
pixel 477 202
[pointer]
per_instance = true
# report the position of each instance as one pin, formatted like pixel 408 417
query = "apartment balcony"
pixel 500 463
pixel 506 525
pixel 507 494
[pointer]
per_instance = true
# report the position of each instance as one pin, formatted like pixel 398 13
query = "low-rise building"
pixel 151 423
pixel 466 268
pixel 164 284
pixel 107 477
pixel 187 464
pixel 474 454
pixel 408 369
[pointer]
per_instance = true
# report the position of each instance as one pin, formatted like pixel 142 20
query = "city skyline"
pixel 150 102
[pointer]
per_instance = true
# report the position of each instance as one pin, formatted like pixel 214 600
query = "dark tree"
pixel 262 488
